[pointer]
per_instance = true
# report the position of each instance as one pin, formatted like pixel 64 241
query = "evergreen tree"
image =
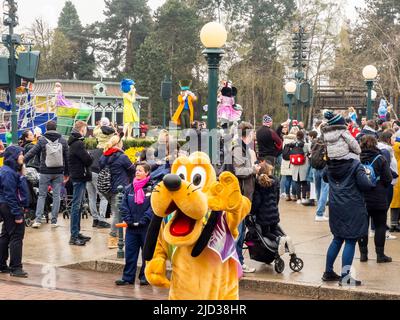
pixel 127 24
pixel 82 65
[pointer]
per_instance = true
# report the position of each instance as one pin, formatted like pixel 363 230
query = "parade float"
pixel 65 101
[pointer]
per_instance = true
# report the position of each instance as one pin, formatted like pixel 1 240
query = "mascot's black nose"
pixel 172 182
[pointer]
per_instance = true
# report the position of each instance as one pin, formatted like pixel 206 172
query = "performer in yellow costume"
pixel 130 115
pixel 199 239
pixel 184 115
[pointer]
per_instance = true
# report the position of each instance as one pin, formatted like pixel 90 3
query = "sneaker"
pixel 54 225
pixel 19 273
pixel 123 283
pixel 36 225
pixel 95 223
pixel 247 269
pixel 103 225
pixel 77 242
pixel 330 277
pixel 350 282
pixel 305 202
pixel 144 282
pixel 321 219
pixel 298 202
pixel 390 236
pixel 84 238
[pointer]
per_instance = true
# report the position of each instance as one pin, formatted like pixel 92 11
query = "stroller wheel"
pixel 279 265
pixel 296 264
pixel 28 222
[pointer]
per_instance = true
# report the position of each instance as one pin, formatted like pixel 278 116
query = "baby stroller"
pixel 262 249
pixel 66 202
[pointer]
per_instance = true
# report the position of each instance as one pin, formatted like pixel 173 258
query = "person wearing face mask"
pixel 13 198
pixel 79 161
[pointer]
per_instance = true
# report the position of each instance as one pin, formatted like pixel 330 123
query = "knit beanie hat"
pixel 267 121
pixel 334 119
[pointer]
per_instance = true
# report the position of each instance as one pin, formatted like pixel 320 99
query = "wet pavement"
pixel 48 246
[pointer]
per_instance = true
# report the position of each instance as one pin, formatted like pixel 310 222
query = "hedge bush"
pixel 91 143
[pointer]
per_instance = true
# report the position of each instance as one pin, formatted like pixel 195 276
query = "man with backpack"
pixel 79 163
pixel 53 151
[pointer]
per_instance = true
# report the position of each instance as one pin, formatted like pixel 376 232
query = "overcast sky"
pixel 92 10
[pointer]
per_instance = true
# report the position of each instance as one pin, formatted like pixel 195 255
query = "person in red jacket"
pixel 268 141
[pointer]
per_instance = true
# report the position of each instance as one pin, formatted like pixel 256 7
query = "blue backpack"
pixel 370 171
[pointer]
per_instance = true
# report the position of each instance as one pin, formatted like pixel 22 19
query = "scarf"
pixel 138 186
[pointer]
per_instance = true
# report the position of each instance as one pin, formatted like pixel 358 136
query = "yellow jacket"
pixel 396 192
pixel 176 118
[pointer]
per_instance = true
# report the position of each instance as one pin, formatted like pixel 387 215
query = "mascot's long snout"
pixel 172 182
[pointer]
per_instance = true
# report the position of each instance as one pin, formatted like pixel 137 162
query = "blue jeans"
pixel 288 184
pixel 134 242
pixel 77 199
pixel 240 242
pixel 55 181
pixel 348 254
pixel 322 190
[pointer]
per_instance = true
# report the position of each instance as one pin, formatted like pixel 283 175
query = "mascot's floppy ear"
pixel 151 238
pixel 234 92
pixel 226 92
pixel 206 234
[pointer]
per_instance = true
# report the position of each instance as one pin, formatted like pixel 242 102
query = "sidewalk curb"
pixel 296 289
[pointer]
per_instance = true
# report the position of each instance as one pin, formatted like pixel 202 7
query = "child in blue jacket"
pixel 137 213
pixel 13 198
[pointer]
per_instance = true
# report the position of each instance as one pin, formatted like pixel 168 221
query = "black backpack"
pixel 319 155
pixel 286 152
pixel 104 180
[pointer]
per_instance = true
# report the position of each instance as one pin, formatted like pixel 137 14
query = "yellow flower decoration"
pixel 133 153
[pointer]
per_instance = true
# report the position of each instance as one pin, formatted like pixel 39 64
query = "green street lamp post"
pixel 11 20
pixel 213 36
pixel 290 88
pixel 370 73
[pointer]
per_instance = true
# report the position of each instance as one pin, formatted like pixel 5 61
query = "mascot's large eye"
pixel 199 177
pixel 182 172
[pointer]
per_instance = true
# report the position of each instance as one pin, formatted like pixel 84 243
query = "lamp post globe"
pixel 213 35
pixel 370 73
pixel 291 87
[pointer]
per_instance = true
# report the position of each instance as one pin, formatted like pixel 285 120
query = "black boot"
pixel 381 257
pixel 363 254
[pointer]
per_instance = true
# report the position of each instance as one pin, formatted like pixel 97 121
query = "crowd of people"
pixel 351 169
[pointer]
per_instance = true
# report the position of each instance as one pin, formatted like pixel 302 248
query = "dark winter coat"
pixel 348 217
pixel 40 150
pixel 121 168
pixel 13 189
pixel 265 204
pixel 79 160
pixel 269 143
pixel 96 155
pixel 134 213
pixel 35 162
pixel 377 199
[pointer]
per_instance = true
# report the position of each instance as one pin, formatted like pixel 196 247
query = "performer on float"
pixel 130 115
pixel 195 226
pixel 61 101
pixel 228 110
pixel 184 115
